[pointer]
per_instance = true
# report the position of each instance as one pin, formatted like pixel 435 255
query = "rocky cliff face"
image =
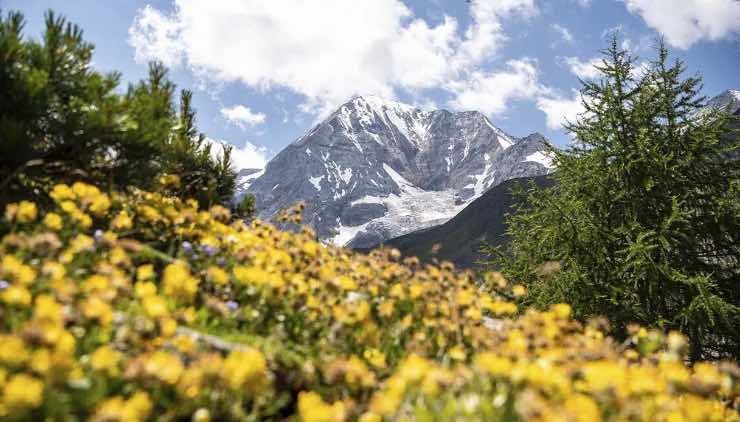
pixel 376 169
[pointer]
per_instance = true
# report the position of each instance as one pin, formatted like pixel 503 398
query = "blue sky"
pixel 264 72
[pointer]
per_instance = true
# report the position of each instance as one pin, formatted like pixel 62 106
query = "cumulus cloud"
pixel 559 109
pixel 490 92
pixel 249 156
pixel 683 23
pixel 583 69
pixel 564 33
pixel 242 116
pixel 325 50
pixel 486 33
pixel 155 36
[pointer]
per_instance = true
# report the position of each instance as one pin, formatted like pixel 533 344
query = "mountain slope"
pixel 459 239
pixel 376 169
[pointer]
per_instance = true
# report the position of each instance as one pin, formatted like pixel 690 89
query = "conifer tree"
pixel 643 222
pixel 209 180
pixel 63 121
pixel 59 119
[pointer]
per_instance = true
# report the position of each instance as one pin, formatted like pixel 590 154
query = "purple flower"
pixel 221 261
pixel 98 235
pixel 208 250
pixel 233 306
pixel 4 284
pixel 187 246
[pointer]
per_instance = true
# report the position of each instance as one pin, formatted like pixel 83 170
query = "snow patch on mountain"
pixel 316 182
pixel 543 158
pixel 379 168
pixel 245 178
pixel 414 209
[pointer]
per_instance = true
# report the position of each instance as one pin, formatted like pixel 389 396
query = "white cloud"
pixel 154 36
pixel 249 156
pixel 584 70
pixel 242 116
pixel 686 22
pixel 559 109
pixel 486 33
pixel 326 50
pixel 564 33
pixel 583 3
pixel 491 92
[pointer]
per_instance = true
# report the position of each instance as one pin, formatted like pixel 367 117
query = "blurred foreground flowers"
pixel 137 306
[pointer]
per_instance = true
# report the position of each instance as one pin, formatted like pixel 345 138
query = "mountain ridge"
pixel 375 169
pixel 459 240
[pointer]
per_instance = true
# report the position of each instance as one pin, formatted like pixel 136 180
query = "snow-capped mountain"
pixel 376 169
pixel 728 101
pixel 244 179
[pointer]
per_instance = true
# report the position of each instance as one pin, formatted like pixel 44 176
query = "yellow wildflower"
pixel 53 221
pixel 164 366
pixel 256 276
pixel 493 364
pixel 386 403
pixel 561 310
pixel 135 409
pixel 61 193
pixel 13 351
pixel 23 392
pixel 386 308
pixel 370 417
pixel 54 270
pixel 178 283
pixel 345 282
pixel 122 221
pixel 96 308
pixel 310 248
pixel 145 272
pixel 41 361
pixel 582 408
pixel 99 204
pixel 106 359
pixel 375 357
pixel 17 270
pixel 464 297
pixel 413 368
pixel 518 290
pixel 245 369
pixel 16 296
pixel 217 275
pixel 155 306
pixel 22 212
pixel 167 327
pixel 170 180
pixel 313 409
pixel 138 407
pixel 457 353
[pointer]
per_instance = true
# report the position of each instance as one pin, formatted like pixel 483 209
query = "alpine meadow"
pixel 430 220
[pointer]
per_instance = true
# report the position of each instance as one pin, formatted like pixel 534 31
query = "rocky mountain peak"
pixel 377 168
pixel 730 100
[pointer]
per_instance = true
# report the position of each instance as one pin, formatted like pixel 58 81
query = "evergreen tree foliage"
pixel 247 207
pixel 63 121
pixel 643 223
pixel 188 155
